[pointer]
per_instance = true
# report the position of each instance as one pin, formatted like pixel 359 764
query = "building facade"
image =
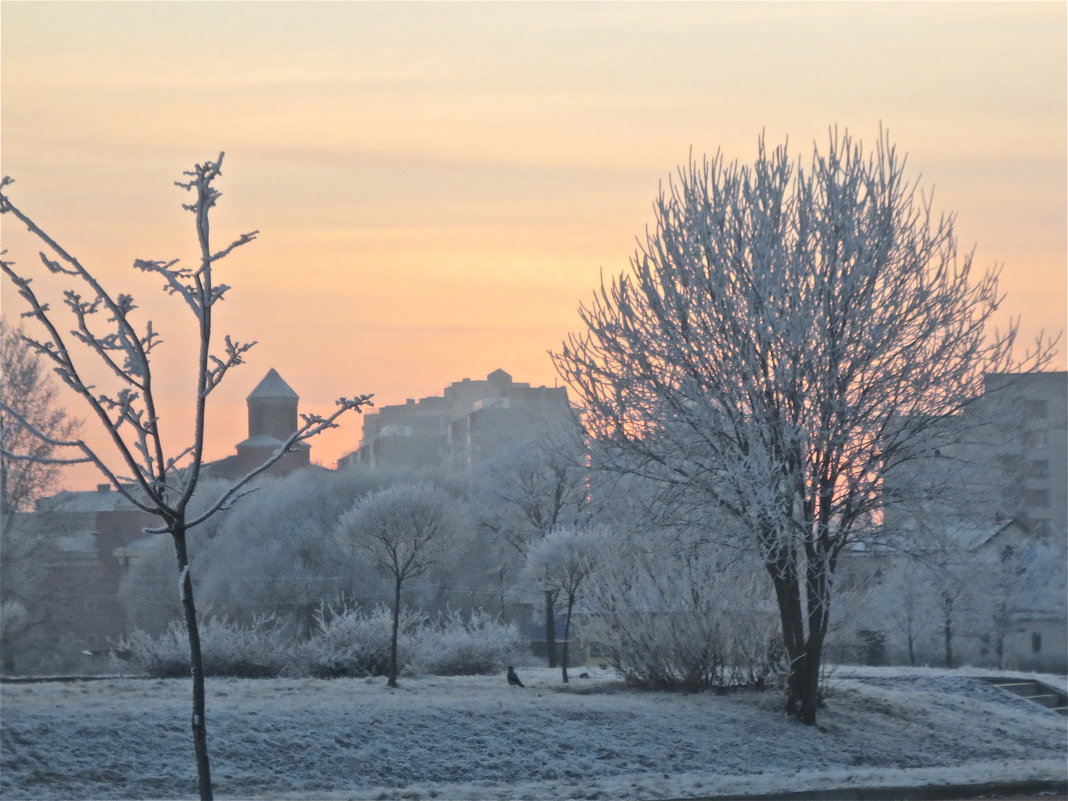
pixel 468 424
pixel 981 531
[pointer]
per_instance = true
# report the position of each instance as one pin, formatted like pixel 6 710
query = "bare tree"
pixel 31 393
pixel 560 563
pixel 28 389
pixel 106 338
pixel 404 530
pixel 786 335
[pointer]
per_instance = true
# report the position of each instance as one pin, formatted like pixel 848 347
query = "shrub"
pixel 673 615
pixel 453 646
pixel 355 642
pixel 256 650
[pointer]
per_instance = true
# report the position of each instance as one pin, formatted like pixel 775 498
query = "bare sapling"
pixel 107 343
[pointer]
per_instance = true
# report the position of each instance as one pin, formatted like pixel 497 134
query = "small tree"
pixel 524 493
pixel 560 563
pixel 404 530
pixel 787 335
pixel 144 469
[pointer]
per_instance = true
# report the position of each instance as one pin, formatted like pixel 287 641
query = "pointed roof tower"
pixel 273 387
pixel 272 409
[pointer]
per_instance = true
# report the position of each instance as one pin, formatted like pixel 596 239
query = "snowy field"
pixel 477 738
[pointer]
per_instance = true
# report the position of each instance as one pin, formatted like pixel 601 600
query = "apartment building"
pixel 469 423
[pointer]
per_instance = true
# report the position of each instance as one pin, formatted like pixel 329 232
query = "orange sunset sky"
pixel 438 185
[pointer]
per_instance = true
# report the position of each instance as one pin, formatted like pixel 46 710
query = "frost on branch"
pixel 96 326
pixel 788 332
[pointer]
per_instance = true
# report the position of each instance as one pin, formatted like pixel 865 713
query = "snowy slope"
pixel 477 738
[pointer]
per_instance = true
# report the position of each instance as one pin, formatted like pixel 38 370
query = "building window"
pixel 1039 468
pixel 1036 642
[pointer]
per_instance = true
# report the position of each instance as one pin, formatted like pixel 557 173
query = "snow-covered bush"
pixel 355 642
pixel 255 650
pixel 455 646
pixel 668 613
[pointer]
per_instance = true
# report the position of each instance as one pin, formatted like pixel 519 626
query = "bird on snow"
pixel 514 679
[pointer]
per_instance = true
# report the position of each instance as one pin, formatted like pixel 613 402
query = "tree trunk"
pixel 550 628
pixel 196 662
pixel 788 596
pixel 947 629
pixel 567 636
pixel 393 639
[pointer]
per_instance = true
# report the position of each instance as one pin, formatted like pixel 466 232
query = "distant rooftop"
pixel 273 387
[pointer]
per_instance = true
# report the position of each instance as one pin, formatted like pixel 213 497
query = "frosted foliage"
pixel 275 553
pixel 406 528
pixel 667 613
pixel 28 389
pixel 229 648
pixel 788 333
pixel 459 646
pixel 355 642
pixel 529 489
pixel 564 557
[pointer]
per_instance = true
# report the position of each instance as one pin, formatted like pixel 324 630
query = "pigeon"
pixel 514 679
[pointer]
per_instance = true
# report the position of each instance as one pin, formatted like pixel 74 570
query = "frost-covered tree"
pixel 787 334
pixel 30 392
pixel 560 563
pixel 404 530
pixel 107 358
pixel 522 495
pixel 278 556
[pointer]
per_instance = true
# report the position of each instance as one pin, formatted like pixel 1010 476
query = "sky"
pixel 439 185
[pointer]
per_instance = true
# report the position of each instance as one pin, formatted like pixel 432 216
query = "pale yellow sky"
pixel 438 185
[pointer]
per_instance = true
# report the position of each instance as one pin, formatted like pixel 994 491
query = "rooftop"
pixel 273 387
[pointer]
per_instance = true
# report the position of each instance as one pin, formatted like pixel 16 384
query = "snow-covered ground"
pixel 477 738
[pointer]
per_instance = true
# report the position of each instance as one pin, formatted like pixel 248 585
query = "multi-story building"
pixel 469 423
pixel 1004 458
pixel 982 521
pixel 1023 449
